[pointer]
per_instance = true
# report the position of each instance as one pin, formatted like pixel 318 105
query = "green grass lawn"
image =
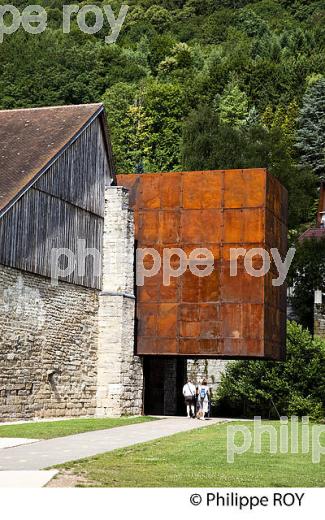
pixel 49 430
pixel 198 459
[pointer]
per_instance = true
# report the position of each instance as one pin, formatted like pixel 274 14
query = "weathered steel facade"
pixel 217 315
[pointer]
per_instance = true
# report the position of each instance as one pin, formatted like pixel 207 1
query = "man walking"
pixel 189 396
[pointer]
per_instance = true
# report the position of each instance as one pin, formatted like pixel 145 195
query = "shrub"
pixel 293 387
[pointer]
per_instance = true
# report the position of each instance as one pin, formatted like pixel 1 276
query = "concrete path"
pixel 47 453
pixel 11 442
pixel 26 479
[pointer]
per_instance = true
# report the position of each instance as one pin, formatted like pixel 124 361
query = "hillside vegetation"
pixel 190 84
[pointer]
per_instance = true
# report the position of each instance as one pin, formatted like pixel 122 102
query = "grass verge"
pixel 199 459
pixel 52 429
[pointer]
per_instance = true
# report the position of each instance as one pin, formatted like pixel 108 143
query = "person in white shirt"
pixel 203 399
pixel 189 395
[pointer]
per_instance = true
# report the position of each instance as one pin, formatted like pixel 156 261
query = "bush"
pixel 305 406
pixel 293 387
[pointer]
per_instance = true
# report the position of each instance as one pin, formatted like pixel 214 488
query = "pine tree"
pixel 283 118
pixel 268 117
pixel 253 117
pixel 311 128
pixel 233 106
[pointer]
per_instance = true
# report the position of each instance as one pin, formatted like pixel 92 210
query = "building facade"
pixel 69 306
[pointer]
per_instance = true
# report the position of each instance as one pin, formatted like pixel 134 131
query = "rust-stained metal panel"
pixel 218 315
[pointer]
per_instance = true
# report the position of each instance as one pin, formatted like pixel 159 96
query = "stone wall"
pixel 319 317
pixel 69 351
pixel 120 373
pixel 48 347
pixel 209 369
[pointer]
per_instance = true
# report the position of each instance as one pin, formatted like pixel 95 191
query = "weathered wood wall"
pixel 78 176
pixel 65 205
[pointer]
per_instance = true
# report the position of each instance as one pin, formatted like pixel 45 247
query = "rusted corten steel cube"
pixel 217 316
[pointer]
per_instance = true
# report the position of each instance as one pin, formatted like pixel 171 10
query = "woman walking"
pixel 203 399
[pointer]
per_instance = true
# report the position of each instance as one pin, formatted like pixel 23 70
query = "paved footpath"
pixel 47 453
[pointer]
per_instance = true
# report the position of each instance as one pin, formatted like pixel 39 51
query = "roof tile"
pixel 31 138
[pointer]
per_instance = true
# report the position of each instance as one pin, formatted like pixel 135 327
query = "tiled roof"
pixel 31 138
pixel 317 233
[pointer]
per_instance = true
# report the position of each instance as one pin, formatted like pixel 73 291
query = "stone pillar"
pixel 120 374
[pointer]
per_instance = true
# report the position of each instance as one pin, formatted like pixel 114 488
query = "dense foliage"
pixel 247 75
pixel 311 128
pixel 293 387
pixel 307 274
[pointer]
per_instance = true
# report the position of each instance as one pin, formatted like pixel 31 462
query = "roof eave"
pixel 99 112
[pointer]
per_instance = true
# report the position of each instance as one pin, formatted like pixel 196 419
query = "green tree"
pixel 159 17
pixel 183 64
pixel 295 386
pixel 209 144
pixel 285 119
pixel 146 125
pixel 216 26
pixel 160 47
pixel 251 23
pixel 165 104
pixel 311 128
pixel 181 57
pixel 232 105
pixel 130 127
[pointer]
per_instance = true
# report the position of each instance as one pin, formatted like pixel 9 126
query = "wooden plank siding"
pixel 65 205
pixel 77 177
